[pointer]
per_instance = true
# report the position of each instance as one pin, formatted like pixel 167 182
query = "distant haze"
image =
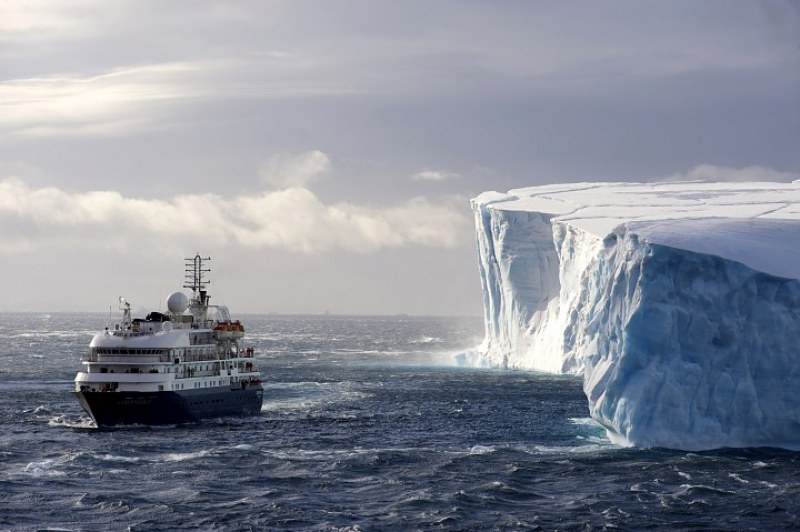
pixel 324 153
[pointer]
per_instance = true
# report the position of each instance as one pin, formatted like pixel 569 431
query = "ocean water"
pixel 368 424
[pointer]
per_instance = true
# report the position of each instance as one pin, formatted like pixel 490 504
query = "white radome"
pixel 177 302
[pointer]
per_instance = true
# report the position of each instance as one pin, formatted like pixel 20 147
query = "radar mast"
pixel 195 279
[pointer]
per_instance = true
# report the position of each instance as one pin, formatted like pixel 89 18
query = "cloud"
pixel 292 219
pixel 43 19
pixel 433 175
pixel 126 99
pixel 72 104
pixel 284 171
pixel 708 172
pixel 481 52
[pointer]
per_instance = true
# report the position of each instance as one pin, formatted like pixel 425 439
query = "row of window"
pixel 197 385
pixel 129 351
pixel 202 354
pixel 190 370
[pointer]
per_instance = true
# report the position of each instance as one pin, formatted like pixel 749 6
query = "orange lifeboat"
pixel 222 330
pixel 236 329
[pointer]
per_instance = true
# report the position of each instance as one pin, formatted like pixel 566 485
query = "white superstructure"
pixel 195 347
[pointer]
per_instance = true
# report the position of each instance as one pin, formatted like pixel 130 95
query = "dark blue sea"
pixel 368 424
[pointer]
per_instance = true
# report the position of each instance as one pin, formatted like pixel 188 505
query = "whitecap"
pixel 586 422
pixel 305 396
pixel 736 476
pixel 117 458
pixel 45 468
pixel 427 340
pixel 181 457
pixel 80 423
pixel 481 449
pixel 587 448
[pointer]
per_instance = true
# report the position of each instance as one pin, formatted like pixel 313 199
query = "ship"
pixel 182 366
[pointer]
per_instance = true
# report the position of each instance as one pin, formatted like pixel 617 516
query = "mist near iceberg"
pixel 678 303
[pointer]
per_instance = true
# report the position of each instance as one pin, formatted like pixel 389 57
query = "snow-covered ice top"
pixel 757 224
pixel 679 303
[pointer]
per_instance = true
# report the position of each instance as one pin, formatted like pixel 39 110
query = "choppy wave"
pixel 367 424
pixel 296 397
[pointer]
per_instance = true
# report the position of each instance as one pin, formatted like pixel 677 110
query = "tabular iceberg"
pixel 679 303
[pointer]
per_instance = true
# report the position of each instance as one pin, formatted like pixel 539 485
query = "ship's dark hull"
pixel 109 409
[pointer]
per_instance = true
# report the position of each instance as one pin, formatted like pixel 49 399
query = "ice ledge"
pixel 678 303
pixel 738 221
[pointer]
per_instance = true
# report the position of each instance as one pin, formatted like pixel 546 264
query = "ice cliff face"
pixel 678 303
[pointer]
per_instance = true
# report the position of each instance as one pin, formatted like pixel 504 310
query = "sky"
pixel 323 154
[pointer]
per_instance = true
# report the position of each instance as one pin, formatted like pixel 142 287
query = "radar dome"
pixel 177 302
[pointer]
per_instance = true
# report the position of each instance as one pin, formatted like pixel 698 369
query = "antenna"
pixel 195 278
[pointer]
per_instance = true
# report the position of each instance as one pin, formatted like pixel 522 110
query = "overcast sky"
pixel 324 153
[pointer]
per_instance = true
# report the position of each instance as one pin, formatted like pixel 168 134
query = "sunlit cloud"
pixel 284 171
pixel 292 219
pixel 102 104
pixel 123 100
pixel 434 175
pixel 43 18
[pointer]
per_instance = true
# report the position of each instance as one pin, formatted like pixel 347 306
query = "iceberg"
pixel 678 303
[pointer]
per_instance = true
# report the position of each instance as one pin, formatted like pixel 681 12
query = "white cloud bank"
pixel 708 172
pixel 292 219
